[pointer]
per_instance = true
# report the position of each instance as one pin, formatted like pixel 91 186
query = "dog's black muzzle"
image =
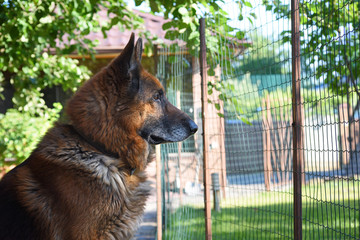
pixel 170 128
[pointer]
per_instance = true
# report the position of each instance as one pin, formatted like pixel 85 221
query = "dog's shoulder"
pixel 64 147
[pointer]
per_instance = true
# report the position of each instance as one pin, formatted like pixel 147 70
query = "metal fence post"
pixel 297 119
pixel 158 192
pixel 203 68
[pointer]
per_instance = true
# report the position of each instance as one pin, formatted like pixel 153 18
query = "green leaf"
pixel 154 6
pixel 171 34
pixel 186 19
pixel 248 4
pixel 167 25
pixel 183 11
pixel 70 49
pixel 211 71
pixel 222 97
pixel 194 35
pixel 217 106
pixel 138 2
pixel 244 120
pixel 240 35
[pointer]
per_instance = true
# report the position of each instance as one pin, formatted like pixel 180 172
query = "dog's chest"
pixel 127 215
pixel 126 197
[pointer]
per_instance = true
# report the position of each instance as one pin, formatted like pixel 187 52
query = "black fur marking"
pixel 98 146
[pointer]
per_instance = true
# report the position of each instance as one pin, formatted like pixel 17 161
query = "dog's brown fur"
pixel 85 179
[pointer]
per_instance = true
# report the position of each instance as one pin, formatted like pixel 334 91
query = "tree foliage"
pixel 21 131
pixel 241 99
pixel 36 35
pixel 330 42
pixel 264 56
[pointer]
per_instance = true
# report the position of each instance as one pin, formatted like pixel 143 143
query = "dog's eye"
pixel 156 97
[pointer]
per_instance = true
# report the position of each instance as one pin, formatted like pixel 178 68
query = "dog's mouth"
pixel 153 139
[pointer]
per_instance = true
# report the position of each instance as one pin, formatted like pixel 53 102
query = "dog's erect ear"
pixel 130 57
pixel 136 58
pixel 126 65
pixel 126 55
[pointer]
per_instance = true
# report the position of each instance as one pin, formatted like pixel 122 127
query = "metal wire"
pixel 251 144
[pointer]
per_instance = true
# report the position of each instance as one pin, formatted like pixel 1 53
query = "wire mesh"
pixel 182 187
pixel 258 132
pixel 330 76
pixel 250 126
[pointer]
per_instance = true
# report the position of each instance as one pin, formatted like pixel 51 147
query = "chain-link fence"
pixel 253 132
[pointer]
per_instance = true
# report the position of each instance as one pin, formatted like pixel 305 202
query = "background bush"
pixel 21 131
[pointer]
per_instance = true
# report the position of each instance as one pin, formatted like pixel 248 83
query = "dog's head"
pixel 123 103
pixel 161 121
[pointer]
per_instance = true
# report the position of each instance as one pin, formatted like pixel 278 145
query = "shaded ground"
pixel 147 229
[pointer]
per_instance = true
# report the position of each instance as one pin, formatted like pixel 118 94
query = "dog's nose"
pixel 193 127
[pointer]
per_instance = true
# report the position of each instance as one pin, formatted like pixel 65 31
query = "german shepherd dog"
pixel 85 179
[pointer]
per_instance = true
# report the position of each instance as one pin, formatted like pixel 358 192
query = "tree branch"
pixel 347 62
pixel 351 75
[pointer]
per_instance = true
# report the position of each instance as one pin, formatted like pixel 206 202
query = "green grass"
pixel 330 211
